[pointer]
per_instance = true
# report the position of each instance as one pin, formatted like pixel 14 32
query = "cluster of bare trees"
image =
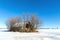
pixel 28 23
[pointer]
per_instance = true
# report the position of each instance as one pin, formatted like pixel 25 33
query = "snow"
pixel 43 34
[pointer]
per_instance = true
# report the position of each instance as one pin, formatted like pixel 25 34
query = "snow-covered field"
pixel 43 34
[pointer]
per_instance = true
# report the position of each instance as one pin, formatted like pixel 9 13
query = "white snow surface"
pixel 43 34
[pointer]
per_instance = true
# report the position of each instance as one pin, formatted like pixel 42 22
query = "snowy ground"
pixel 43 34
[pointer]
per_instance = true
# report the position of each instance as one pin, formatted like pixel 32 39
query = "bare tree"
pixel 35 20
pixel 10 22
pixel 32 22
pixel 13 24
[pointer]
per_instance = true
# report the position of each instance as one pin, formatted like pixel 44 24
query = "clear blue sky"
pixel 47 10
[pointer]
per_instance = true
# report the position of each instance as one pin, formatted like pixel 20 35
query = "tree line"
pixel 26 23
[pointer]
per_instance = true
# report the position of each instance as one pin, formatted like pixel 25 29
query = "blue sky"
pixel 47 10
